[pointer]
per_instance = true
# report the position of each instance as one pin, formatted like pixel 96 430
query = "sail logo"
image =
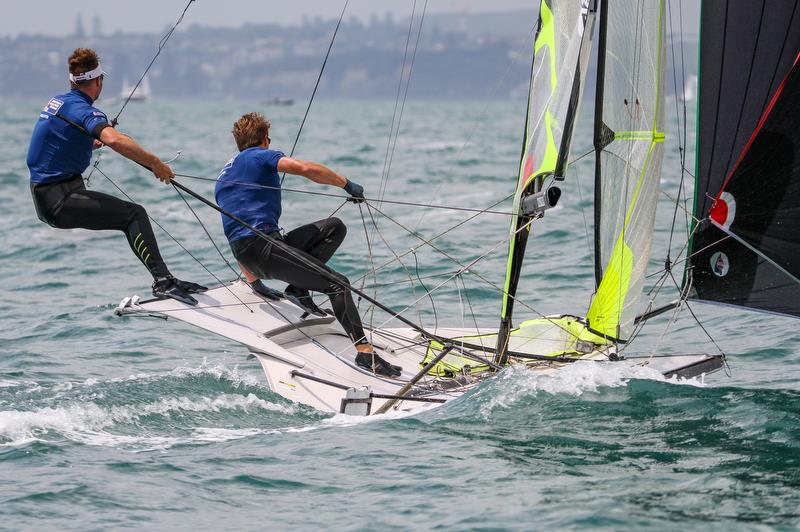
pixel 723 211
pixel 720 264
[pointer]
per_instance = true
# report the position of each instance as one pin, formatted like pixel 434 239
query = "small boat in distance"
pixel 141 94
pixel 277 100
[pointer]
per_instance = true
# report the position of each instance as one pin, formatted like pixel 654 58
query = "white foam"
pixel 86 422
pixel 574 380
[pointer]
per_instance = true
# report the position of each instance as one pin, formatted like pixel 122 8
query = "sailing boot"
pixel 302 298
pixel 374 363
pixel 170 287
pixel 265 291
pixel 190 287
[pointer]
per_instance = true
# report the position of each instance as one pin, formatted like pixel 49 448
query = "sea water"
pixel 110 422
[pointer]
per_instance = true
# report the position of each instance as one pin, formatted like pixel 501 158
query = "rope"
pixel 397 98
pixel 161 45
pixel 235 272
pixel 316 85
pixel 405 95
pixel 172 237
pixel 345 198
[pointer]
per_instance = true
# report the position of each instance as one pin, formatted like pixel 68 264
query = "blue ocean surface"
pixel 109 422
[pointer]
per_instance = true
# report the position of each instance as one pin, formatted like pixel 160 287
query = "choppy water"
pixel 108 422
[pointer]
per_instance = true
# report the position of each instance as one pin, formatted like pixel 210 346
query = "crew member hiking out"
pixel 68 129
pixel 249 188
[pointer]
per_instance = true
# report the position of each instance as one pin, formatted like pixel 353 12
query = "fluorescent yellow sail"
pixel 629 144
pixel 560 58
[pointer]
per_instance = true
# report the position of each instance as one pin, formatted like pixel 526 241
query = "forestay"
pixel 628 140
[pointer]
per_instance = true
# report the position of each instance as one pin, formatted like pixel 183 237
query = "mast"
pixel 558 69
pixel 600 140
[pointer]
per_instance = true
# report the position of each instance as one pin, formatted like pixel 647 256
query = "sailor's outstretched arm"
pixel 127 147
pixel 320 173
pixel 316 172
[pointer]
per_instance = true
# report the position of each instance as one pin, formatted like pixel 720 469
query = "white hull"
pixel 293 351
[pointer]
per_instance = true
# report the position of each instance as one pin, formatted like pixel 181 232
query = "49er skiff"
pixel 309 359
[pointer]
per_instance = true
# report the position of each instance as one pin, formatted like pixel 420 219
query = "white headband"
pixel 86 76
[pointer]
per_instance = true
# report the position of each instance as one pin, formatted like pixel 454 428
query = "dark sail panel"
pixel 746 249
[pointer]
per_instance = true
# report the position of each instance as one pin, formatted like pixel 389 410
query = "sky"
pixel 58 17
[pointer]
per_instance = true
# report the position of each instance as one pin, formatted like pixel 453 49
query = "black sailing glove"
pixel 355 190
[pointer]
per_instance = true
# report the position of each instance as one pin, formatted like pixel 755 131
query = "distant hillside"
pixel 460 56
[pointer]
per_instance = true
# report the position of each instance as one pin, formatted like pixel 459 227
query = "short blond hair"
pixel 81 61
pixel 250 130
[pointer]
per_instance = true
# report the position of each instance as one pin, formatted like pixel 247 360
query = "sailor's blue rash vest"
pixel 250 188
pixel 59 151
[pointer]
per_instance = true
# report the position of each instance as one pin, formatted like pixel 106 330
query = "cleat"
pixel 168 287
pixel 377 365
pixel 265 291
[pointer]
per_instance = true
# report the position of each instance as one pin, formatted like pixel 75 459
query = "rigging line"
pixel 758 252
pixel 402 281
pixel 162 228
pixel 466 353
pixel 684 170
pixel 397 98
pixel 316 85
pixel 460 303
pixel 676 202
pixel 430 296
pixel 482 115
pixel 471 311
pixel 583 214
pixel 402 264
pixel 672 321
pixel 314 267
pixel 575 160
pixel 337 209
pixel 446 281
pixel 468 267
pixel 161 45
pixel 495 87
pixel 425 242
pixel 443 233
pixel 681 138
pixel 235 272
pixel 639 326
pixel 684 295
pixel 405 94
pixel 374 200
pixel 726 237
pixel 678 259
pixel 371 264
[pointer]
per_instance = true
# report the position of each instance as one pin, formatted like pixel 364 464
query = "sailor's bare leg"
pixel 247 274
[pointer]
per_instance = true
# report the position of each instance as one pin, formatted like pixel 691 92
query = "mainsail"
pixel 628 140
pixel 561 53
pixel 745 248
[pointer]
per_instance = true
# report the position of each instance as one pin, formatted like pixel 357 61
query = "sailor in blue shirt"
pixel 249 187
pixel 68 129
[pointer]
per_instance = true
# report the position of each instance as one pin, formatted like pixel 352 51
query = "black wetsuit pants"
pixel 315 243
pixel 68 205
